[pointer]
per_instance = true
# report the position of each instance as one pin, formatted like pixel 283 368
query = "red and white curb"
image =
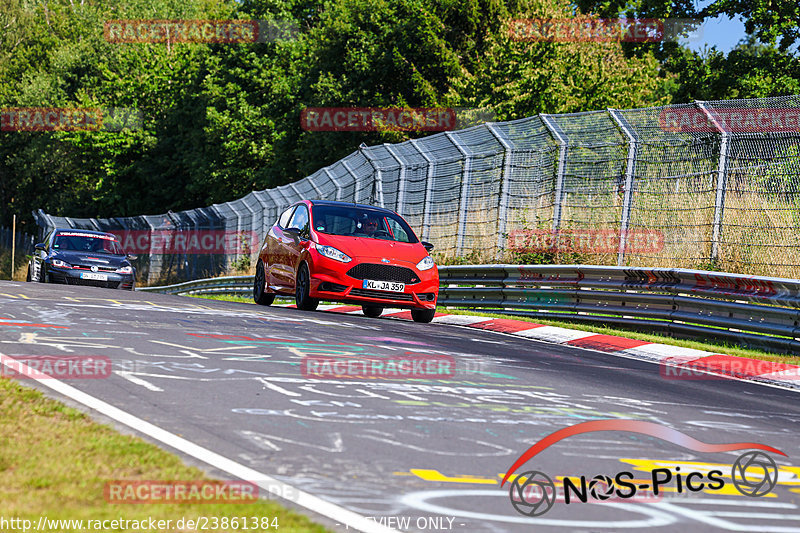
pixel 676 362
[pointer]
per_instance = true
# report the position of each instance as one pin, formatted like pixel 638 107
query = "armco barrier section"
pixel 716 182
pixel 759 312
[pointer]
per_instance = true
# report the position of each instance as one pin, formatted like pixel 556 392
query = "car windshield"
pixel 355 221
pixel 87 242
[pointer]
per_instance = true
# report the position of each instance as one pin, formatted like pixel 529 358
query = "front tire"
pixel 423 315
pixel 303 289
pixel 260 296
pixel 372 311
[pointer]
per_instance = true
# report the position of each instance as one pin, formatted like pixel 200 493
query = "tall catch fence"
pixel 712 185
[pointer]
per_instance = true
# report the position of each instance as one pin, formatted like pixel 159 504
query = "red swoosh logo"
pixel 634 426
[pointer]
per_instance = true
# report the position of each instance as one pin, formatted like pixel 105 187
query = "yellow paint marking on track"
pixel 24 297
pixel 435 475
pixel 9 295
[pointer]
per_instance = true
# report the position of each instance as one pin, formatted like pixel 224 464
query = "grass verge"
pixel 649 337
pixel 55 462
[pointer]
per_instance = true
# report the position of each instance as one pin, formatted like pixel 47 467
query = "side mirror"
pixel 132 257
pixel 39 247
pixel 428 246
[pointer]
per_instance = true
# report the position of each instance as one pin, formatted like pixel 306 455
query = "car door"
pixel 39 255
pixel 275 264
pixel 294 244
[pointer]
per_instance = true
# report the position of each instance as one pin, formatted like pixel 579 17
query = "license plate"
pixel 390 286
pixel 93 276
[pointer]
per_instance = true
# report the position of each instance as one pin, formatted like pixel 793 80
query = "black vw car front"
pixel 82 257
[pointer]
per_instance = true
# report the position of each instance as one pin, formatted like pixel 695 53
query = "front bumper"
pixel 328 282
pixel 73 277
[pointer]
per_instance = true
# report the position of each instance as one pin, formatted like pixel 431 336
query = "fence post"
pixel 722 175
pixel 314 186
pixel 401 184
pixel 13 244
pixel 426 210
pixel 356 179
pixel 463 193
pixel 502 209
pixel 562 163
pixel 377 185
pixel 630 169
pixel 335 182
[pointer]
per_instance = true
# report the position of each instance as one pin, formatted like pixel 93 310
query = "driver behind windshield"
pixel 370 226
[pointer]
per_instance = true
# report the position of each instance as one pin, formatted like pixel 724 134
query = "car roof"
pixel 348 204
pixel 79 230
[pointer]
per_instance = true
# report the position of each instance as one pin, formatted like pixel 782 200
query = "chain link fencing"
pixel 711 185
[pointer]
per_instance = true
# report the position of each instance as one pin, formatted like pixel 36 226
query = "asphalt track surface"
pixel 417 455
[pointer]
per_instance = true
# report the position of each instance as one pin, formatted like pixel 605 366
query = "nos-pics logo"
pixel 533 493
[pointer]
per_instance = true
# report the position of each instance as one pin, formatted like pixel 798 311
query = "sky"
pixel 722 32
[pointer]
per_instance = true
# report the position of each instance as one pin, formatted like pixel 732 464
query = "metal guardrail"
pixel 224 285
pixel 759 312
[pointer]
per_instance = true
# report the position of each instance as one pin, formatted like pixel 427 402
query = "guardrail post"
pixel 426 210
pixel 502 208
pixel 401 183
pixel 335 182
pixel 722 175
pixel 630 169
pixel 463 193
pixel 562 163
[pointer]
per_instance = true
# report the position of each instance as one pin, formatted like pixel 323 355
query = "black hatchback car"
pixel 82 257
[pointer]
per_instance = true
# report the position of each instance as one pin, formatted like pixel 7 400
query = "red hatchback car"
pixel 322 250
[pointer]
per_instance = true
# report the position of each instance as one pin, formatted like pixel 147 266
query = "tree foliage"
pixel 221 120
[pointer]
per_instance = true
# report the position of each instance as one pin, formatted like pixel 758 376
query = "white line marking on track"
pixel 138 381
pixel 268 483
pixel 270 385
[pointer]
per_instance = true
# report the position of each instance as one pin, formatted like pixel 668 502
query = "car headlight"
pixel 332 253
pixel 426 263
pixel 58 263
pixel 124 270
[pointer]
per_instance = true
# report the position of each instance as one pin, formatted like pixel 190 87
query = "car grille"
pixel 99 268
pixel 406 297
pixel 383 273
pixel 92 283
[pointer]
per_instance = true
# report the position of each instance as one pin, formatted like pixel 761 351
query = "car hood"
pixel 74 257
pixel 364 248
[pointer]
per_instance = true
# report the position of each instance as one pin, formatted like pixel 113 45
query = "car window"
pixel 356 221
pixel 87 242
pixel 397 231
pixel 283 220
pixel 300 219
